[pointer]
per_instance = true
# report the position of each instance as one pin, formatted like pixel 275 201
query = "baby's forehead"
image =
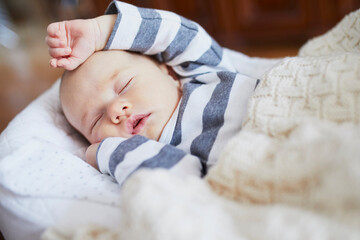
pixel 71 87
pixel 102 68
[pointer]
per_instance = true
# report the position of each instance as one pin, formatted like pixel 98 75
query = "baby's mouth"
pixel 136 123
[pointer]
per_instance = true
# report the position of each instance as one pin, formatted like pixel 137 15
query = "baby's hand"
pixel 91 155
pixel 72 42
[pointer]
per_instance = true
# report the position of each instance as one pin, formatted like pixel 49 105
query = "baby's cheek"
pixel 154 130
pixel 98 137
pixel 103 132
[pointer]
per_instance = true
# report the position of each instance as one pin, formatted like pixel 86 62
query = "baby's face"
pixel 119 94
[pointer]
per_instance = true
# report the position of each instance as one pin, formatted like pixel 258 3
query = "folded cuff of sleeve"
pixel 105 149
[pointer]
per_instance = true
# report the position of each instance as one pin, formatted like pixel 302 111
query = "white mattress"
pixel 43 179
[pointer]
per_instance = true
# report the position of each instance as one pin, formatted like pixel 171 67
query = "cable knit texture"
pixel 300 142
pixel 304 88
pixel 344 37
pixel 293 172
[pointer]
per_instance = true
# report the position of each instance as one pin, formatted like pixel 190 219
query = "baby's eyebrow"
pixel 114 75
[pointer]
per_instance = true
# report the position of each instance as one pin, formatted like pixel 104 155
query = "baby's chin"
pixel 94 140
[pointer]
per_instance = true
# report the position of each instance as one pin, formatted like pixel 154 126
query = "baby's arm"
pixel 181 43
pixel 121 157
pixel 72 42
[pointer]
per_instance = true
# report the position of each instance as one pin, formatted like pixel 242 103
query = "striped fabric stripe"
pixel 188 88
pixel 148 30
pixel 213 117
pixel 128 21
pixel 186 33
pixel 168 157
pixel 165 37
pixel 119 154
pixel 211 57
pixel 112 35
pixel 134 158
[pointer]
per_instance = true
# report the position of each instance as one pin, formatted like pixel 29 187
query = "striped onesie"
pixel 212 106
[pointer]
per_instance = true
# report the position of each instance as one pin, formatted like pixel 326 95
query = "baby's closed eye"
pixel 124 86
pixel 95 121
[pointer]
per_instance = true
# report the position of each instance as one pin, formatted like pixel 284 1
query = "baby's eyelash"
pixel 96 120
pixel 126 85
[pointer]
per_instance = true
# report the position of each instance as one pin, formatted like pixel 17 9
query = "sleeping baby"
pixel 164 94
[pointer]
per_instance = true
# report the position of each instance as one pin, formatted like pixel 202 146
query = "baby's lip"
pixel 136 123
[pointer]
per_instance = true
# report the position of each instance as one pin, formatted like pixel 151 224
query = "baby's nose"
pixel 117 110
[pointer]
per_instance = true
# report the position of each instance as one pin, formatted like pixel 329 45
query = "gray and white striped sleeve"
pixel 121 157
pixel 173 39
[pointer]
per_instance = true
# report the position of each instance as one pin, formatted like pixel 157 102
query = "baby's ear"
pixel 172 73
pixel 168 70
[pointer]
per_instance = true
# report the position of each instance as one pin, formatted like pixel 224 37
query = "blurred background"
pixel 262 28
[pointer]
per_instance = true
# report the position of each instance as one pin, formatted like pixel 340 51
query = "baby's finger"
pixel 53 29
pixel 59 52
pixel 68 63
pixel 53 63
pixel 55 42
pixel 61 63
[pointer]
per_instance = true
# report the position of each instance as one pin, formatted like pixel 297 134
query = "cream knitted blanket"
pixel 293 172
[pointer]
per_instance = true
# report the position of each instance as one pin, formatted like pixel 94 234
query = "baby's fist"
pixel 71 42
